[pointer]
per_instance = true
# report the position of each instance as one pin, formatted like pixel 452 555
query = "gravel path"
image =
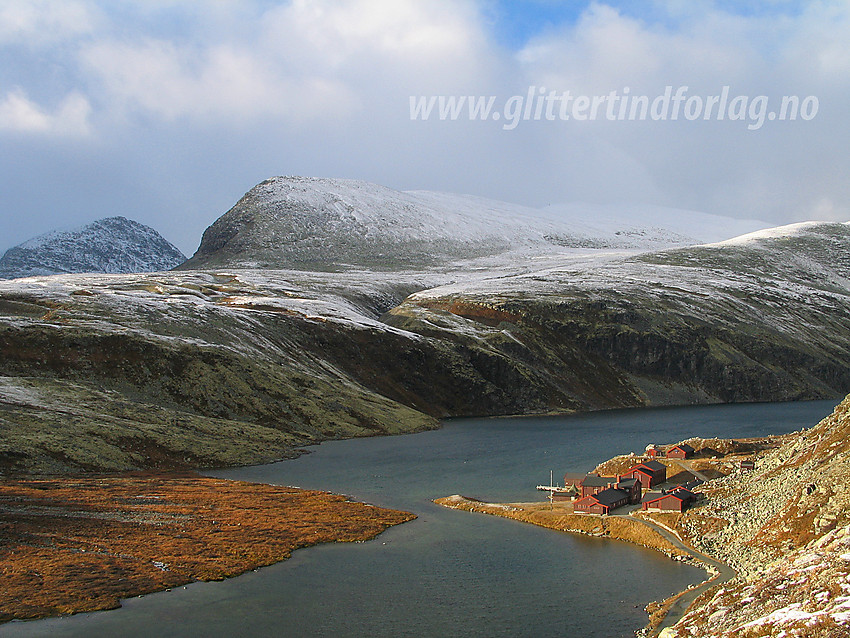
pixel 684 600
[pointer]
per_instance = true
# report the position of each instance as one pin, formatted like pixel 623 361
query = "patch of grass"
pixel 83 544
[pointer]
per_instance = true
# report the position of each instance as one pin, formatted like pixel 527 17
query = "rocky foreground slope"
pixel 113 245
pixel 232 365
pixel 785 527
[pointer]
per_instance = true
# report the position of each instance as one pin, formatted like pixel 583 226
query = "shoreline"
pixel 85 543
pixel 560 517
pixel 626 528
pixel 643 530
pixel 576 523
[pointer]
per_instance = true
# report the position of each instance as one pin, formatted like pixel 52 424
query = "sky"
pixel 168 111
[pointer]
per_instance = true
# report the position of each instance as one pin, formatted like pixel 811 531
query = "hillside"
pixel 219 367
pixel 758 318
pixel 317 309
pixel 111 245
pixel 176 370
pixel 785 527
pixel 332 224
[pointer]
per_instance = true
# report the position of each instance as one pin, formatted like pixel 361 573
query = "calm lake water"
pixel 448 573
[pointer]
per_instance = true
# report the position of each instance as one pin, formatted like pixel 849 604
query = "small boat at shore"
pixel 552 488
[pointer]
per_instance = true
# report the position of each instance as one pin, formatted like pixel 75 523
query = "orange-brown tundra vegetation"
pixel 70 545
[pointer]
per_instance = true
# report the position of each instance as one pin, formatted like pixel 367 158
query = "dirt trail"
pixel 687 597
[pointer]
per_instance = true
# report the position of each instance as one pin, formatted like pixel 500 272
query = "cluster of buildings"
pixel 595 494
pixel 680 451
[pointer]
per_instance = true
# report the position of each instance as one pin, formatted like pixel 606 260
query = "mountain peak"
pixel 324 223
pixel 109 245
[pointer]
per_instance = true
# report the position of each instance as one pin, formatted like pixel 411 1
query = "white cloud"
pixel 19 114
pixel 195 101
pixel 607 50
pixel 44 22
pixel 338 34
pixel 215 82
pixel 818 43
pixel 779 172
pixel 300 61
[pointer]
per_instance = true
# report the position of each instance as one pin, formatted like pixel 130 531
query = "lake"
pixel 448 573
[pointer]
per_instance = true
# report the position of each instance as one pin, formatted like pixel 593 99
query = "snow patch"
pixel 786 615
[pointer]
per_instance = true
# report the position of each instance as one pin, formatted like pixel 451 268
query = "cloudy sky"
pixel 167 111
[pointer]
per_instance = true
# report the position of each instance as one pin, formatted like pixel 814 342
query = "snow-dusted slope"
pixel 648 225
pixel 111 245
pixel 774 236
pixel 312 223
pixel 765 315
pixel 286 357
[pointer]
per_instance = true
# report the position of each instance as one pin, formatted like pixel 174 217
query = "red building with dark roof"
pixel 602 502
pixel 592 484
pixel 675 501
pixel 649 473
pixel 570 494
pixel 682 451
pixel 632 486
pixel 574 478
pixel 652 451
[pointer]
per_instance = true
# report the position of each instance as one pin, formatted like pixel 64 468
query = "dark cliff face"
pixel 763 320
pixel 111 245
pixel 583 361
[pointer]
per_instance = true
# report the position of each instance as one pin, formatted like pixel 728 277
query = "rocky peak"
pixel 110 245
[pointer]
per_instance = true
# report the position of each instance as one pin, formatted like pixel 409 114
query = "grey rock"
pixel 111 245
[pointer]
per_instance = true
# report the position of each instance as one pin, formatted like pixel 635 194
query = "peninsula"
pixel 80 544
pixel 772 530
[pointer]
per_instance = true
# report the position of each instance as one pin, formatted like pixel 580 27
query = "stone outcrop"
pixel 785 527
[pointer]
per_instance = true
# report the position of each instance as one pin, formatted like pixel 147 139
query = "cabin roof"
pixel 598 481
pixel 680 494
pixel 684 447
pixel 610 496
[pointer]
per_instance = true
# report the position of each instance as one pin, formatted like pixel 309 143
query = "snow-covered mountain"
pixel 319 224
pixel 646 225
pixel 318 309
pixel 224 366
pixel 111 245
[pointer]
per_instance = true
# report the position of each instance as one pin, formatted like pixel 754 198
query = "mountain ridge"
pixel 412 317
pixel 291 357
pixel 321 223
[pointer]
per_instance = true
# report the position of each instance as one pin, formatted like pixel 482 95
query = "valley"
pixel 226 365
